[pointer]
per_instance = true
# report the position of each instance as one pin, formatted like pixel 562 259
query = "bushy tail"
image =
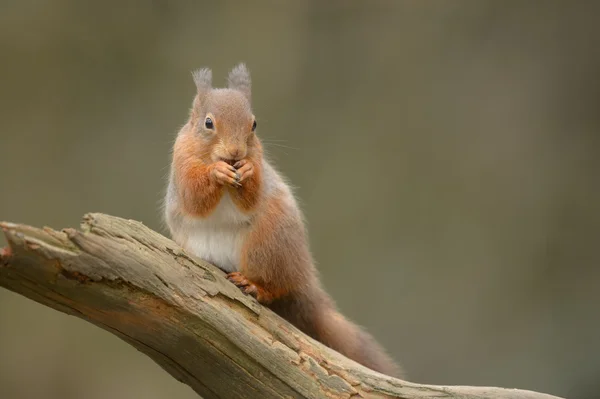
pixel 315 313
pixel 337 332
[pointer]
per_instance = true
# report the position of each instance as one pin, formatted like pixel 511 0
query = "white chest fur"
pixel 219 237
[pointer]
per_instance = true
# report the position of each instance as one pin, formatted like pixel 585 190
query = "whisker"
pixel 282 146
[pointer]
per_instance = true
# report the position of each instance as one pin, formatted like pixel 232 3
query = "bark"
pixel 180 311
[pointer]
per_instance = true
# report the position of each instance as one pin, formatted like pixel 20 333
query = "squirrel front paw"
pixel 245 169
pixel 225 174
pixel 249 288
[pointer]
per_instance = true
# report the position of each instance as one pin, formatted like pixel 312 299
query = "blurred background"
pixel 446 155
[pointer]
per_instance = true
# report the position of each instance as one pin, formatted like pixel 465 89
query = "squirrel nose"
pixel 235 154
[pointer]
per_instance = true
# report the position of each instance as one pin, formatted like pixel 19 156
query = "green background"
pixel 446 155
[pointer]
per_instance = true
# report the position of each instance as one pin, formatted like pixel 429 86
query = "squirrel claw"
pixel 238 279
pixel 250 290
pixel 242 282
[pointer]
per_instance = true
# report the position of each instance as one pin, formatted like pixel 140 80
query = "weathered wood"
pixel 182 313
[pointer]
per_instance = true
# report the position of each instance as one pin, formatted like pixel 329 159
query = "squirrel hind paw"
pixel 238 279
pixel 249 288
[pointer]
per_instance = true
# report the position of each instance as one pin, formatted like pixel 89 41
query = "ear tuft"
pixel 203 79
pixel 239 79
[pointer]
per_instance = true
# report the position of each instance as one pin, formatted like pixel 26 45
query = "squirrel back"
pixel 226 204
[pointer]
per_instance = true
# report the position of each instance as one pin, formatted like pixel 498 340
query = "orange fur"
pixel 248 196
pixel 198 192
pixel 262 235
pixel 273 256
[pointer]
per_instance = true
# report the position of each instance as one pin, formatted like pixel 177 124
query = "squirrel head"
pixel 222 118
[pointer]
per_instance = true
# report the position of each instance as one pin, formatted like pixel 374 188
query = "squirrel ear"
pixel 239 79
pixel 203 79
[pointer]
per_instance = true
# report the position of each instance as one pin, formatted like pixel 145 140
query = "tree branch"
pixel 182 313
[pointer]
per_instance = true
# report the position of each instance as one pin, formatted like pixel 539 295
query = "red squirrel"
pixel 226 204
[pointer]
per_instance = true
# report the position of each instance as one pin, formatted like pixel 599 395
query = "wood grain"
pixel 139 285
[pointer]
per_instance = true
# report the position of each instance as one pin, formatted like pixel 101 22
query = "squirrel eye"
pixel 208 123
pixel 254 126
